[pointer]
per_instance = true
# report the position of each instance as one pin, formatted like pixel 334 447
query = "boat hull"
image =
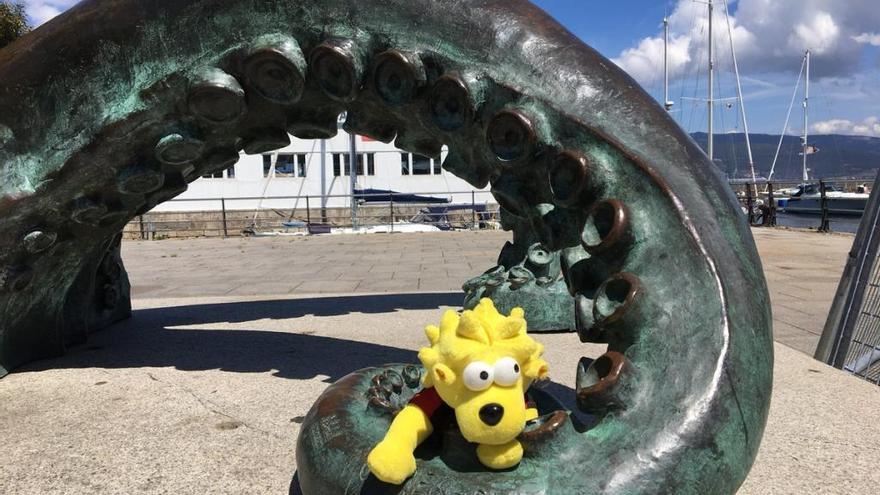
pixel 836 206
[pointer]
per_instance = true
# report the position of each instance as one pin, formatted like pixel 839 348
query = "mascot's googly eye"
pixel 506 371
pixel 478 376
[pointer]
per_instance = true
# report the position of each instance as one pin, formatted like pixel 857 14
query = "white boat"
pixel 808 199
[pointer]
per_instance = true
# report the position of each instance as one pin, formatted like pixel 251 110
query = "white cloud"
pixel 868 39
pixel 646 59
pixel 41 11
pixel 770 37
pixel 820 34
pixel 867 127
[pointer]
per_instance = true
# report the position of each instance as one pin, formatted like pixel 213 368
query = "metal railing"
pixel 760 201
pixel 382 211
pixel 310 213
pixel 851 338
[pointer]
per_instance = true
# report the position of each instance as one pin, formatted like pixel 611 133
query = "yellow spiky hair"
pixel 458 337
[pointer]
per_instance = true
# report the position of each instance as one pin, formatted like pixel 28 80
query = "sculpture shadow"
pixel 150 339
pixel 243 311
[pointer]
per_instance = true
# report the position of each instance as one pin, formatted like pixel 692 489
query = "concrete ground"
pixel 204 394
pixel 802 269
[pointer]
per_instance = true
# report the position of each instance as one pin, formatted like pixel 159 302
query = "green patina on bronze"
pixel 622 230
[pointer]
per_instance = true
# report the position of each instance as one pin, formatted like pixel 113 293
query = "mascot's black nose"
pixel 491 414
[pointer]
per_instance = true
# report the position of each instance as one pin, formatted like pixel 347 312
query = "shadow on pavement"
pixel 149 339
pixel 243 311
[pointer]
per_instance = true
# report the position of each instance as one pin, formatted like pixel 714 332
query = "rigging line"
pixel 724 127
pixel 694 73
pixel 308 159
pixel 653 86
pixel 698 66
pixel 825 102
pixel 787 118
pixel 793 147
pixel 682 82
pixel 443 172
pixel 735 157
pixel 742 104
pixel 719 83
pixel 272 163
pixel 697 81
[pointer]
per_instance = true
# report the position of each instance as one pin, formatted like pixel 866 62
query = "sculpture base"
pixel 354 413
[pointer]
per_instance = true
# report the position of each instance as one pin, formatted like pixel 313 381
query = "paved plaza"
pixel 802 269
pixel 203 390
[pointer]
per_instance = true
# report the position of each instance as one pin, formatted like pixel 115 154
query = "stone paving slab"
pixel 802 268
pixel 205 395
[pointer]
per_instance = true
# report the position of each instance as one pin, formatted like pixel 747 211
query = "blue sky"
pixel 770 37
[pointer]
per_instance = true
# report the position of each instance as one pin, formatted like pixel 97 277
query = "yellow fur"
pixel 482 337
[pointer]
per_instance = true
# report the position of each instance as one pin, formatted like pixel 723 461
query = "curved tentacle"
pixel 116 105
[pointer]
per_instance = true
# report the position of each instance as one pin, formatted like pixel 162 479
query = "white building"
pixel 273 180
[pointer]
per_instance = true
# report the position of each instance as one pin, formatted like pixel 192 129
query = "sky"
pixel 770 37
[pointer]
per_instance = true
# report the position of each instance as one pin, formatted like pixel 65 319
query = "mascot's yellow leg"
pixel 500 456
pixel 392 460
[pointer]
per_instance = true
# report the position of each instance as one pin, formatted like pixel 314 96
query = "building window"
pixel 404 164
pixel 337 170
pixel 301 160
pixel 267 165
pixel 421 165
pixel 215 175
pixel 230 172
pixel 437 169
pixel 371 164
pixel 342 166
pixel 284 165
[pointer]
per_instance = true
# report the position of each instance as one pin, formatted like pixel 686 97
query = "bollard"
pixel 473 210
pixel 770 217
pixel 391 212
pixel 824 225
pixel 308 212
pixel 750 204
pixel 223 212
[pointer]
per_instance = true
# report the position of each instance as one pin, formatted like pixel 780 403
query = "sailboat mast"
pixel 806 113
pixel 668 104
pixel 710 149
pixel 352 170
pixel 324 180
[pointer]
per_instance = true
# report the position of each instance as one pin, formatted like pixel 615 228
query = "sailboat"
pixel 711 100
pixel 807 197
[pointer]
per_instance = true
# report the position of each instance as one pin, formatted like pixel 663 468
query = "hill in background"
pixel 838 157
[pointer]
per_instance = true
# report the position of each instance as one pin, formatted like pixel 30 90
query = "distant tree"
pixel 13 22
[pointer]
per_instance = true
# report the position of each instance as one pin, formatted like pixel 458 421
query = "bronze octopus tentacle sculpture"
pixel 116 105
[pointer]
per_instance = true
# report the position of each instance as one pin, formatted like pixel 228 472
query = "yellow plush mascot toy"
pixel 480 364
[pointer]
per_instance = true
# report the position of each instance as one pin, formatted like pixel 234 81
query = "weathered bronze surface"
pixel 116 105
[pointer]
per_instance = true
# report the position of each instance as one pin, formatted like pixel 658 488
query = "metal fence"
pixel 374 212
pixel 760 201
pixel 215 217
pixel 851 338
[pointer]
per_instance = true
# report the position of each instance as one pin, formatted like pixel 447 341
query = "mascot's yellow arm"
pixel 392 460
pixel 531 413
